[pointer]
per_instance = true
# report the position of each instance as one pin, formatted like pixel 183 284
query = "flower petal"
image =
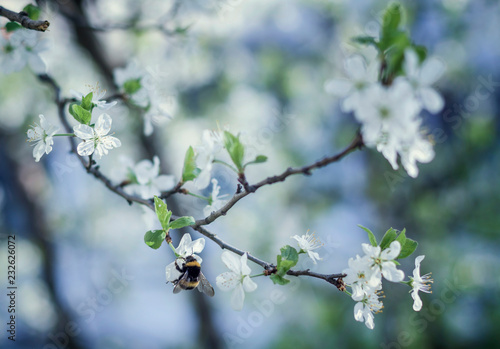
pixel 171 272
pixel 391 273
pixel 84 131
pixel 431 100
pixel 417 302
pixel 248 284
pixel 245 269
pixel 238 298
pixel 85 148
pixel 184 245
pixel 431 71
pixel 197 245
pixel 164 182
pixel 232 261
pixel 103 124
pixel 227 281
pixel 339 87
pixel 392 252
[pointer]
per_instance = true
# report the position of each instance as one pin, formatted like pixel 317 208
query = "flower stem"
pixel 254 276
pixel 198 196
pixel 64 134
pixel 173 249
pixel 349 293
pixel 225 164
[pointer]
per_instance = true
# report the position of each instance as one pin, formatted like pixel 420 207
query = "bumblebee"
pixel 192 277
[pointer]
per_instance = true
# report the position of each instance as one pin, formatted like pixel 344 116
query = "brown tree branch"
pixel 23 18
pixel 334 279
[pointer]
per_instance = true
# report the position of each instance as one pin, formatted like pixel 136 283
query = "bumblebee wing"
pixel 204 286
pixel 177 287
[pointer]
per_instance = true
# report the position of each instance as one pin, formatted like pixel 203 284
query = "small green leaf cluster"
pixel 392 43
pixel 236 151
pixel 154 238
pixel 190 171
pixel 408 246
pixel 286 260
pixel 82 110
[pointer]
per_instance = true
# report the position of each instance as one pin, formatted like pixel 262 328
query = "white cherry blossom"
pixel 21 48
pixel 147 179
pixel 42 136
pixel 421 77
pixel 360 78
pixel 95 139
pixel 361 277
pixel 419 283
pixel 216 203
pixel 186 247
pixel 97 95
pixel 366 307
pixel 383 261
pixel 308 243
pixel 237 279
pixel 205 155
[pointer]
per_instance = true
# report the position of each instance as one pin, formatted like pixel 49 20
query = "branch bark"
pixel 23 19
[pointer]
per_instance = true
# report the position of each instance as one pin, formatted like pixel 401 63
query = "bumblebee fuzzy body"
pixel 192 277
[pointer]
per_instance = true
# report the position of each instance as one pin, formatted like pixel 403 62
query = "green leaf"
pixel 162 213
pixel 11 26
pixel 365 40
pixel 182 222
pixel 389 236
pixel 132 86
pixel 279 280
pixel 409 247
pixel 87 102
pixel 81 115
pixel 402 238
pixel 190 171
pixel 32 11
pixel 258 160
pixel 421 52
pixel 154 238
pixel 392 20
pixel 235 149
pixel 287 259
pixel 371 236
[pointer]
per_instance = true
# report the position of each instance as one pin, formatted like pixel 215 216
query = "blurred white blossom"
pixel 216 202
pixel 42 135
pixel 21 48
pixel 146 179
pixel 421 77
pixel 97 95
pixel 205 155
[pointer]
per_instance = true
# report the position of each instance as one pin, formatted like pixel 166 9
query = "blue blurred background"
pixel 86 279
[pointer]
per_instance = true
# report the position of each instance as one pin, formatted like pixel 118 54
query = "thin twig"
pixel 357 143
pixel 23 18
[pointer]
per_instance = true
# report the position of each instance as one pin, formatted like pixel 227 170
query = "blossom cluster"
pixel 19 48
pixel 144 92
pixel 364 276
pixel 390 113
pixel 94 137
